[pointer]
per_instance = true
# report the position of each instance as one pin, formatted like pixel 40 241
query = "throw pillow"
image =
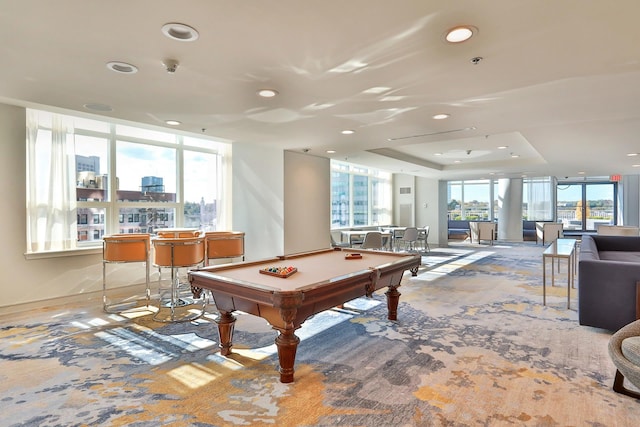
pixel 631 349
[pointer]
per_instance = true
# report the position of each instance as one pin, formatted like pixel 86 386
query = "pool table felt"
pixel 315 269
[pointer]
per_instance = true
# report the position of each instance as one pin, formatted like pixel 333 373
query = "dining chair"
pixel 423 236
pixel 409 238
pixel 372 240
pixel 335 244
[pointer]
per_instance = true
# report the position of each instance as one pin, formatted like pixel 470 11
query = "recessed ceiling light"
pixel 348 132
pixel 460 33
pixel 441 116
pixel 122 67
pixel 581 173
pixel 180 32
pixel 632 154
pixel 331 151
pixel 457 161
pixel 173 122
pixel 514 155
pixel 503 147
pixel 437 154
pixel 635 166
pixel 267 93
pixel 98 107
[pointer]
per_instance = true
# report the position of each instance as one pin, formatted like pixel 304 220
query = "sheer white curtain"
pixel 540 199
pixel 51 182
pixel 224 210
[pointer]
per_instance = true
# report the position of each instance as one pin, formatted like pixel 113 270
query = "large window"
pixel 537 199
pixel 87 178
pixel 478 199
pixel 471 200
pixel 359 196
pixel 582 206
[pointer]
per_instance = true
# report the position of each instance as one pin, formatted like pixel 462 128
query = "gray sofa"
pixel 458 229
pixel 609 270
pixel 529 231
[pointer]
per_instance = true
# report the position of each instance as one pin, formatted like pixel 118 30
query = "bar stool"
pixel 224 244
pixel 176 302
pixel 178 232
pixel 124 248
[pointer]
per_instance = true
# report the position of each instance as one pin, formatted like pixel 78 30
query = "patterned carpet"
pixel 473 346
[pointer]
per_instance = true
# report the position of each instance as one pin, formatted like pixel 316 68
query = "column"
pixel 510 209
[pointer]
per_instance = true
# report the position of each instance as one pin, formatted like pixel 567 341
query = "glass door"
pixel 583 206
pixel 600 205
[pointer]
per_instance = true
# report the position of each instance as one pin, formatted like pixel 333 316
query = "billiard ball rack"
pixel 353 256
pixel 282 272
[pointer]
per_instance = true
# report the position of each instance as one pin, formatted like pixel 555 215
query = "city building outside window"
pixel 87 178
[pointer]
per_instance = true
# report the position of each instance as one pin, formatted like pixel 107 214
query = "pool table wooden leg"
pixel 393 298
pixel 287 343
pixel 226 322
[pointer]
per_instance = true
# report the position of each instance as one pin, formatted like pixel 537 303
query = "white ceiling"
pixel 559 81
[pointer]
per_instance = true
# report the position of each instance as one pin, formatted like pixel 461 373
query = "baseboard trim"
pixel 85 298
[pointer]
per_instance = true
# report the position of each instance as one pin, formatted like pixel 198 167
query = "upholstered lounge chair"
pixel 547 232
pixel 482 230
pixel 624 349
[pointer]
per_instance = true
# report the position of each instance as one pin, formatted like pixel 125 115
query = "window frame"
pixel 375 209
pixel 108 210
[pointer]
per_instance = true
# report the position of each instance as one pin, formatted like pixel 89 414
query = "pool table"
pixel 324 279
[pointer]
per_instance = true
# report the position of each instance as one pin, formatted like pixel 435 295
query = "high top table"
pixel 559 248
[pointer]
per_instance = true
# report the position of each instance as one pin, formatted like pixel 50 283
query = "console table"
pixel 559 248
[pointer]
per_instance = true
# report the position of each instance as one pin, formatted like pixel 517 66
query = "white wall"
pixel 426 206
pixel 443 199
pixel 258 199
pixel 404 204
pixel 29 280
pixel 307 201
pixel 630 196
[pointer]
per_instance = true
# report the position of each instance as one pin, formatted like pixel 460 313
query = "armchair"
pixel 483 230
pixel 624 349
pixel 547 232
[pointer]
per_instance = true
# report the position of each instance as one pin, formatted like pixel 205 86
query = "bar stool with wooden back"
pixel 176 301
pixel 224 244
pixel 124 248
